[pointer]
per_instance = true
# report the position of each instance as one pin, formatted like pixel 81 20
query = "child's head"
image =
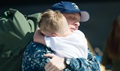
pixel 53 22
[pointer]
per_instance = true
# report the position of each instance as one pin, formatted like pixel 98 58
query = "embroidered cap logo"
pixel 76 7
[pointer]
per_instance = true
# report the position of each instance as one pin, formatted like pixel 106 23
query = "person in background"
pixel 72 13
pixel 111 54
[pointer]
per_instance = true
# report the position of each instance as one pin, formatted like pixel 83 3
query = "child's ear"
pixel 54 34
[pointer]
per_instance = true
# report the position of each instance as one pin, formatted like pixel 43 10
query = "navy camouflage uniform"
pixel 33 60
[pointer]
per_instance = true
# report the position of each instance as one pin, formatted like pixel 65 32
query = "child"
pixel 59 38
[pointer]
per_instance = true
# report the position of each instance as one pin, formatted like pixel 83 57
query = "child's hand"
pixel 38 37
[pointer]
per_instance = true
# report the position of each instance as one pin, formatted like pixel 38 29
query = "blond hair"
pixel 53 22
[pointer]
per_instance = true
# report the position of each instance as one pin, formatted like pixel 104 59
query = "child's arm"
pixel 39 37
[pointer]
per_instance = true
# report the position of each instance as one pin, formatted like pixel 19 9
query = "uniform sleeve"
pixel 29 63
pixel 81 64
pixel 33 57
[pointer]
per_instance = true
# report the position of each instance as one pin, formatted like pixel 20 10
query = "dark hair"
pixel 113 41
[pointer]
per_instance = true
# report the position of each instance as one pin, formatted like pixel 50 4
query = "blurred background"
pixel 102 13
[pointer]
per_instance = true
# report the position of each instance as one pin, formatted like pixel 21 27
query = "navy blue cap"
pixel 70 7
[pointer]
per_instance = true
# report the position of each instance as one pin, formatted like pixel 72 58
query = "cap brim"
pixel 84 16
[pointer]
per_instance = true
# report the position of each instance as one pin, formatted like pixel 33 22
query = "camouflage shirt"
pixel 33 60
